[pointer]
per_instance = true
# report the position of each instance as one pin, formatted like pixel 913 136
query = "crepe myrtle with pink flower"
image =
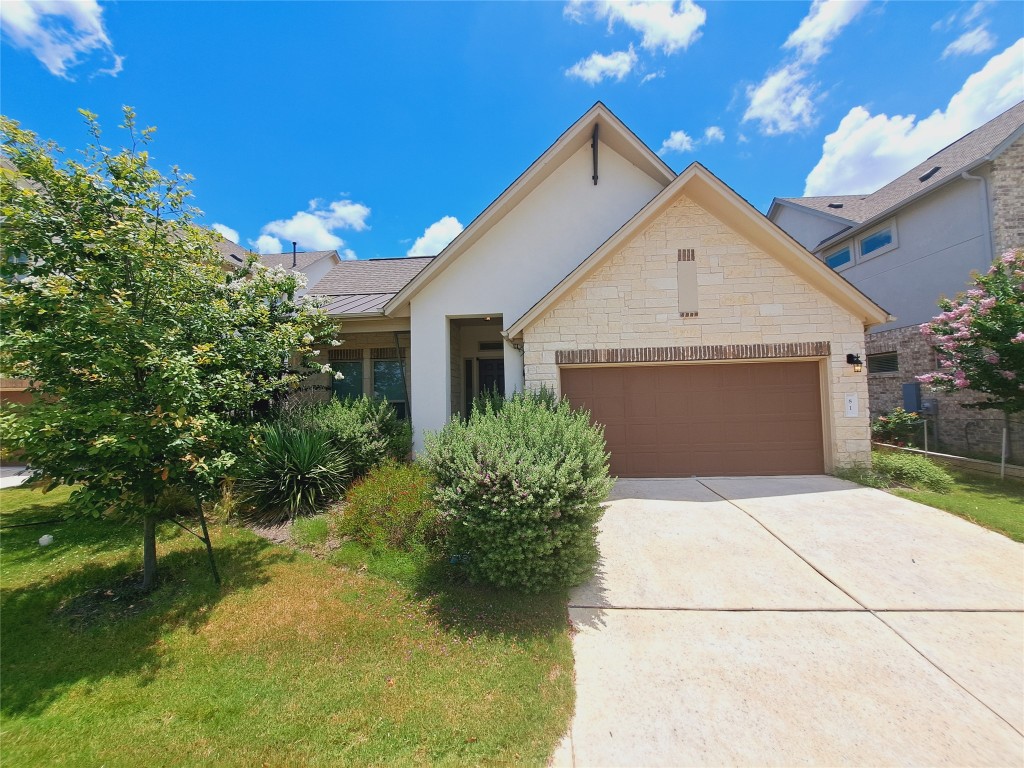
pixel 979 337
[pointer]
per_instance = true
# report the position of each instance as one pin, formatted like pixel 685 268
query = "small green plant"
pixel 391 508
pixel 292 472
pixel 895 469
pixel 366 429
pixel 519 492
pixel 311 531
pixel 897 426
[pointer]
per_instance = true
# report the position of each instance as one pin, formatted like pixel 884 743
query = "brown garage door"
pixel 682 420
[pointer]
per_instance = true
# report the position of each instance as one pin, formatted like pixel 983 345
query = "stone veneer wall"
pixel 958 430
pixel 1007 192
pixel 744 297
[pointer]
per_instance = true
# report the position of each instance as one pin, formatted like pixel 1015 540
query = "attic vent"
pixel 490 346
pixel 835 205
pixel 930 173
pixel 334 355
pixel 687 254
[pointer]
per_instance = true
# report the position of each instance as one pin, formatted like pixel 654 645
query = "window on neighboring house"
pixel 883 362
pixel 879 241
pixel 839 258
pixel 389 384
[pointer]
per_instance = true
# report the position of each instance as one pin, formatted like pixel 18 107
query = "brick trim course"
pixel 703 353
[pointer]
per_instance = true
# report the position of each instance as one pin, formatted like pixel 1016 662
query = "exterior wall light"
pixel 854 360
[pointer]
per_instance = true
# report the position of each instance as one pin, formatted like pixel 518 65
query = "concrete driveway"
pixel 795 621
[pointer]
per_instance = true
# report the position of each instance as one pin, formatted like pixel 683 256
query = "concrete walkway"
pixel 795 621
pixel 13 475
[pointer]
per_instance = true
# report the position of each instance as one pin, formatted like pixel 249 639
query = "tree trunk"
pixel 149 552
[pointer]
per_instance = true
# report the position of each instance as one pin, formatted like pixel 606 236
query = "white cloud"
pixel 821 26
pixel 598 66
pixel 677 141
pixel 652 76
pixel 977 40
pixel 314 229
pixel 713 134
pixel 348 254
pixel 436 237
pixel 866 151
pixel 784 101
pixel 267 244
pixel 664 26
pixel 226 232
pixel 60 33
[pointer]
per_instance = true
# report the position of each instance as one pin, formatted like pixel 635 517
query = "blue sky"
pixel 380 129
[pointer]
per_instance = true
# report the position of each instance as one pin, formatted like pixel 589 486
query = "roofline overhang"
pixel 734 211
pixel 538 170
pixel 778 202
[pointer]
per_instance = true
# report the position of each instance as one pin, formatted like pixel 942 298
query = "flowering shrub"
pixel 519 492
pixel 979 338
pixel 897 426
pixel 391 508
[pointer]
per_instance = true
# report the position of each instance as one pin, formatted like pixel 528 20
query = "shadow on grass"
pixel 50 643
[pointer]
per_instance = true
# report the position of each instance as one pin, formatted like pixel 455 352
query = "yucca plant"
pixel 292 472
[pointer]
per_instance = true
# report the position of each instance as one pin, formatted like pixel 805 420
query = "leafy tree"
pixel 148 360
pixel 979 337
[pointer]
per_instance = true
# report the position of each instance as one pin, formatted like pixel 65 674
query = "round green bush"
pixel 911 470
pixel 519 492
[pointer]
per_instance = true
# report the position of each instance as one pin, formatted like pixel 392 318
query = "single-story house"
pixel 704 338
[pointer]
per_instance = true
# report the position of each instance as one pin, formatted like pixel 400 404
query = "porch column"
pixel 432 377
pixel 515 377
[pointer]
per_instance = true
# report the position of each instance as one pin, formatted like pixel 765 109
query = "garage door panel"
pixel 734 419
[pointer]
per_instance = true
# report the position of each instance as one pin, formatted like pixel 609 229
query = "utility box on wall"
pixel 912 397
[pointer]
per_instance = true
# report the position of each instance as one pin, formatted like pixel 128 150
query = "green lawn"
pixel 294 661
pixel 989 502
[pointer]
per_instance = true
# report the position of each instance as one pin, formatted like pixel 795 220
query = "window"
pixel 352 384
pixel 389 384
pixel 879 241
pixel 839 258
pixel 883 362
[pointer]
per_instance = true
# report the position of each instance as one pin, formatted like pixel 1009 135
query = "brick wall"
pixel 1007 191
pixel 956 429
pixel 745 297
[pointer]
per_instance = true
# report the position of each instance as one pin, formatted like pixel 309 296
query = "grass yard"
pixel 989 502
pixel 294 661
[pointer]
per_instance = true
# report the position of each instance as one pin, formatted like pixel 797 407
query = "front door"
pixel 491 372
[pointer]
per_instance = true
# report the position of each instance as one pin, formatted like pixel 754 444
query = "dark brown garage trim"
pixel 693 354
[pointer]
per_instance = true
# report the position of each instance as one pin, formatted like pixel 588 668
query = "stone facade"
pixel 952 428
pixel 1007 194
pixel 745 297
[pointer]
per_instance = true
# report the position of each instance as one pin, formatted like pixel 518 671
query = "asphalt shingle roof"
pixel 366 285
pixel 303 259
pixel 959 156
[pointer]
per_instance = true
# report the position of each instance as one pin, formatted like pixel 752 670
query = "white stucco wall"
pixel 561 222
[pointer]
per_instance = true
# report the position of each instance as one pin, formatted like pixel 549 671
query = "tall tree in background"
pixel 979 338
pixel 148 361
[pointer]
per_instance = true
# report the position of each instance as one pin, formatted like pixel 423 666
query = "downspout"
pixel 986 224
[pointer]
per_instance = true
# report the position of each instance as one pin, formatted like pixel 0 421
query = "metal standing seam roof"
pixel 364 286
pixel 959 156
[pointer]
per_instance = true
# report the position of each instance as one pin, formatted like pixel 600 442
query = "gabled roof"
pixel 722 202
pixel 303 259
pixel 234 255
pixel 964 154
pixel 613 133
pixel 365 286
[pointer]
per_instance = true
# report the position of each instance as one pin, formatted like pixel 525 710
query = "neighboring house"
pixel 918 238
pixel 313 264
pixel 706 340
